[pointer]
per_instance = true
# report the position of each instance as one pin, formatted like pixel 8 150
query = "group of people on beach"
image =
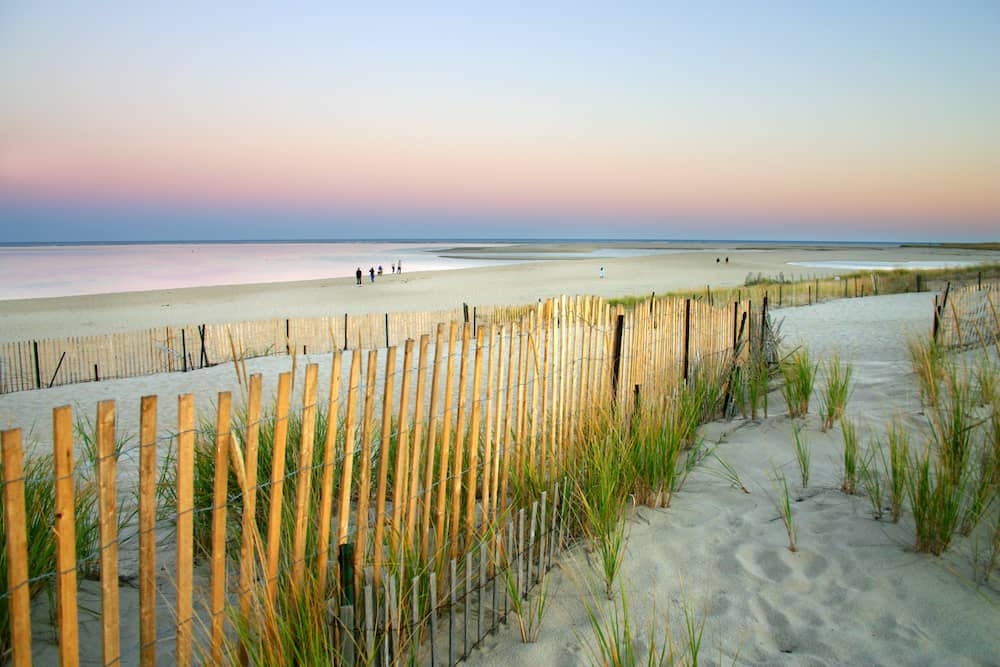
pixel 397 267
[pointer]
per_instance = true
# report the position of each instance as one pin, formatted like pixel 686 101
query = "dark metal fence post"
pixel 38 373
pixel 184 349
pixel 616 358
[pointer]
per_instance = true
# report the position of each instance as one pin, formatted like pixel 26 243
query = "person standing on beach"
pixel 380 269
pixel 371 272
pixel 357 274
pixel 602 272
pixel 399 266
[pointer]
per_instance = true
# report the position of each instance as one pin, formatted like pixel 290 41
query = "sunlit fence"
pixel 36 364
pixel 967 316
pixel 397 517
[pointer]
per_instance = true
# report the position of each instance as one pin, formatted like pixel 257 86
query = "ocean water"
pixel 28 272
pixel 913 265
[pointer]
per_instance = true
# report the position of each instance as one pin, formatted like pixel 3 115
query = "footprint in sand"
pixel 762 563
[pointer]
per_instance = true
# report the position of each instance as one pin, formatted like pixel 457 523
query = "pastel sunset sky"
pixel 804 120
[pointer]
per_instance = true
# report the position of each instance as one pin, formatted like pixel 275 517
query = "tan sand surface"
pixel 855 593
pixel 517 283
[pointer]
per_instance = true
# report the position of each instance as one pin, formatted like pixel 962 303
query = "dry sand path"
pixel 854 593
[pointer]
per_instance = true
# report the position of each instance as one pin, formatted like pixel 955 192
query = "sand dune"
pixel 854 594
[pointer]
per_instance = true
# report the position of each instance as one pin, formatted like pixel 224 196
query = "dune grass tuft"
pixel 783 503
pixel 802 455
pixel 798 373
pixel 872 481
pixel 849 481
pixel 833 400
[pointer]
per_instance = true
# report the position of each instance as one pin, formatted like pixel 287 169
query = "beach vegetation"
pixel 895 465
pixel 783 503
pixel 928 361
pixel 798 373
pixel 601 500
pixel 802 454
pixel 728 473
pixel 529 608
pixel 849 432
pixel 836 391
pixel 872 480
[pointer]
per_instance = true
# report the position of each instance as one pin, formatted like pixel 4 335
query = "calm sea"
pixel 63 270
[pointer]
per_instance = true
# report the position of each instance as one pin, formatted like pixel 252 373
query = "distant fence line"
pixel 36 364
pixel 425 504
pixel 967 316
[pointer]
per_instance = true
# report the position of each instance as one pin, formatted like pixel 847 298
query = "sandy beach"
pixel 517 283
pixel 854 593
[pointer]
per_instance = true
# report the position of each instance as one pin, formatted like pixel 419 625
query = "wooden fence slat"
pixel 347 467
pixel 65 535
pixel 507 419
pixel 365 466
pixel 219 497
pixel 415 455
pixel 440 506
pixel 491 444
pixel 456 473
pixel 250 545
pixel 276 499
pixel 304 474
pixel 329 462
pixel 431 448
pixel 147 528
pixel 473 440
pixel 19 592
pixel 402 472
pixel 185 527
pixel 108 528
pixel 384 450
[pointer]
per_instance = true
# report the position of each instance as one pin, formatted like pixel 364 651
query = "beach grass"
pixel 871 478
pixel 928 360
pixel 849 433
pixel 798 373
pixel 783 503
pixel 895 465
pixel 601 499
pixel 802 454
pixel 836 390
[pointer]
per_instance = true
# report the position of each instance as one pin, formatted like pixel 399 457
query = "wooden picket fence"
pixel 35 364
pixel 431 481
pixel 57 361
pixel 967 316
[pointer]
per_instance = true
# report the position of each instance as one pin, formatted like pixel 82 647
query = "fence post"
pixel 184 349
pixel 736 311
pixel 288 338
pixel 387 329
pixel 203 359
pixel 763 324
pixel 937 319
pixel 345 331
pixel 979 280
pixel 616 359
pixel 38 373
pixel 465 312
pixel 687 337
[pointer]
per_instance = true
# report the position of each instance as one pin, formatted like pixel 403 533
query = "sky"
pixel 195 121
